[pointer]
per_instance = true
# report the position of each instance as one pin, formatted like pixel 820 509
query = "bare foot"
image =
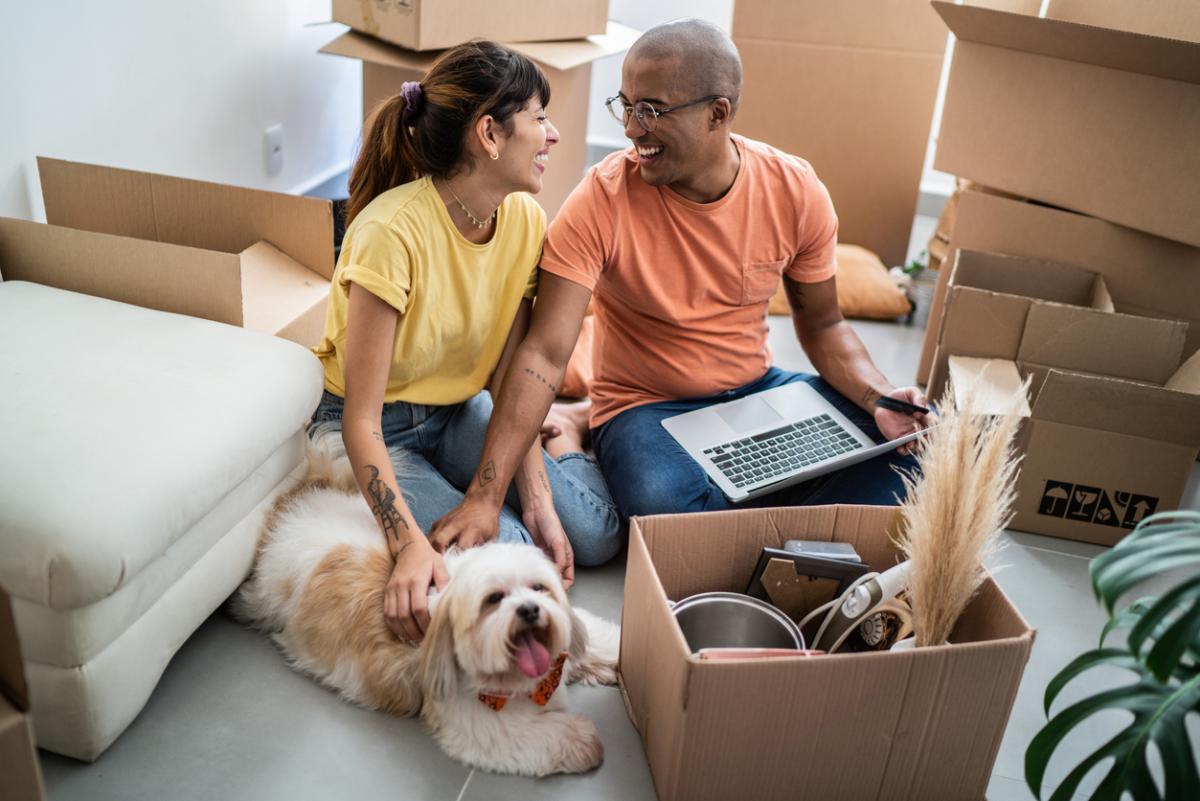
pixel 566 428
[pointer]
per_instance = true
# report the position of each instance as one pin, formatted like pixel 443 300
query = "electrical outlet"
pixel 273 149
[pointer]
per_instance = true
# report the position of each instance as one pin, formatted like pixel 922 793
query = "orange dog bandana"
pixel 541 694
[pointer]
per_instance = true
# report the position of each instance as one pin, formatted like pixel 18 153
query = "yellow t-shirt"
pixel 456 299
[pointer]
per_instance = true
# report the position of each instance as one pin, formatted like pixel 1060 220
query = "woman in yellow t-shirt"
pixel 432 292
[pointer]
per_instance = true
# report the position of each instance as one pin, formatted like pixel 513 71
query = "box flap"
pixel 156 275
pixel 848 23
pixel 1031 278
pixel 353 44
pixel 1071 41
pixel 1187 377
pixel 12 672
pixel 982 323
pixel 570 54
pixel 1118 345
pixel 1176 19
pixel 276 289
pixel 556 55
pixel 1119 406
pixel 994 384
pixel 186 212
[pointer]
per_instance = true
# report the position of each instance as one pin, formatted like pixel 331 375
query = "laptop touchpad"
pixel 748 413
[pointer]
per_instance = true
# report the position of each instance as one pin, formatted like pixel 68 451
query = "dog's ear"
pixel 579 637
pixel 439 668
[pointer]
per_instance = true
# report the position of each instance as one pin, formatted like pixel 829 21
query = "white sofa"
pixel 138 453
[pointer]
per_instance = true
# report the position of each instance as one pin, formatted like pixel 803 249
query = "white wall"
pixel 173 87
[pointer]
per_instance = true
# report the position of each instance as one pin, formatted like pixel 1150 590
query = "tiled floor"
pixel 230 720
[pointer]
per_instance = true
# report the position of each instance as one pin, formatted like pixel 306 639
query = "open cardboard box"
pixel 436 24
pixel 1090 119
pixel 568 68
pixel 20 773
pixel 246 257
pixel 849 87
pixel 1113 426
pixel 923 723
pixel 1145 275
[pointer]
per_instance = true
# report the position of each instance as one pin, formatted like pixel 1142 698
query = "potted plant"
pixel 1163 653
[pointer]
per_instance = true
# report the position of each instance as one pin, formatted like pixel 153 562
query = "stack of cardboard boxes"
pixel 399 40
pixel 1090 135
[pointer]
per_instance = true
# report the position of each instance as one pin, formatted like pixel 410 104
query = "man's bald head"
pixel 707 62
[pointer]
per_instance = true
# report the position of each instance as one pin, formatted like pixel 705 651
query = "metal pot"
pixel 733 620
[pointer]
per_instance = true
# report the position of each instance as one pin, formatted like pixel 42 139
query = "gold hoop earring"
pixel 495 156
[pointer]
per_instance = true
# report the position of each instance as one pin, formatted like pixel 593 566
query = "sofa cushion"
pixel 121 427
pixel 71 637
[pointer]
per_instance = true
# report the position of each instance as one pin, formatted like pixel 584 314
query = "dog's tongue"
pixel 532 657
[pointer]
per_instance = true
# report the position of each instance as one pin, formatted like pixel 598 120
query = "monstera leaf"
pixel 1162 650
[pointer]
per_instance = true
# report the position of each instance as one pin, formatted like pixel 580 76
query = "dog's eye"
pixel 495 598
pixel 538 588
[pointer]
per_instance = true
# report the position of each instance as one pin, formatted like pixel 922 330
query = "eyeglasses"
pixel 646 114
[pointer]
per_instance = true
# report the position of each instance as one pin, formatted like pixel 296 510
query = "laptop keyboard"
pixel 781 451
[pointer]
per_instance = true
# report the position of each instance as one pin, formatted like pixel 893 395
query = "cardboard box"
pixel 923 723
pixel 1014 117
pixel 1107 442
pixel 438 24
pixel 568 67
pixel 262 260
pixel 1146 275
pixel 22 775
pixel 849 87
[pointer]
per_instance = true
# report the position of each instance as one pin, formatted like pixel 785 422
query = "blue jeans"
pixel 435 452
pixel 649 473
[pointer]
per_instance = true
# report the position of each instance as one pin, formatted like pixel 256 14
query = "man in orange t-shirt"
pixel 684 238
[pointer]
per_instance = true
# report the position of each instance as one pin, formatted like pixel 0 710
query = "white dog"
pixel 484 679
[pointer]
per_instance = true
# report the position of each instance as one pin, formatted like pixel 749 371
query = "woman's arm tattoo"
pixel 553 388
pixel 384 505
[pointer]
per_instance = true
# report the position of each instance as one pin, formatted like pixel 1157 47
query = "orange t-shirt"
pixel 681 288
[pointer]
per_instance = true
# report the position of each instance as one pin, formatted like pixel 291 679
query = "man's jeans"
pixel 648 472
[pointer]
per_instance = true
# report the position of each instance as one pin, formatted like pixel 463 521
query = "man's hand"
pixel 896 424
pixel 543 523
pixel 473 522
pixel 406 596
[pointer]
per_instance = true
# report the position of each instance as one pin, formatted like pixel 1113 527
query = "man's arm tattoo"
pixel 487 473
pixel 384 505
pixel 553 388
pixel 869 397
pixel 377 435
pixel 545 481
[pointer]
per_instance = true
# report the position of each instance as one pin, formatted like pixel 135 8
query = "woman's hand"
pixel 543 524
pixel 894 425
pixel 406 596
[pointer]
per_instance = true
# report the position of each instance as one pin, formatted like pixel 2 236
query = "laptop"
pixel 773 439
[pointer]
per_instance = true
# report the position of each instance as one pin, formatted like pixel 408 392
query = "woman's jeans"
pixel 435 452
pixel 649 473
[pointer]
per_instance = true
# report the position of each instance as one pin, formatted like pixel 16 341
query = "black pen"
pixel 901 406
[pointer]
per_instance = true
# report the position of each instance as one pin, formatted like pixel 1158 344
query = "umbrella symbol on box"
pixel 1054 499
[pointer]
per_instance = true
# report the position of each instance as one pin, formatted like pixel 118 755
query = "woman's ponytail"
pixel 422 129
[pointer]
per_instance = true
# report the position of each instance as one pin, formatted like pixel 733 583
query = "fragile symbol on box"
pixel 1095 505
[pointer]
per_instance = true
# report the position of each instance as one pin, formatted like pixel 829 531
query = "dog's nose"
pixel 529 612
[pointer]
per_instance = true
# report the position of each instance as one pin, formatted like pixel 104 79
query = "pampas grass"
pixel 958 501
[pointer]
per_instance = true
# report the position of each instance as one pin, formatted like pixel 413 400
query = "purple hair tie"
pixel 412 94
